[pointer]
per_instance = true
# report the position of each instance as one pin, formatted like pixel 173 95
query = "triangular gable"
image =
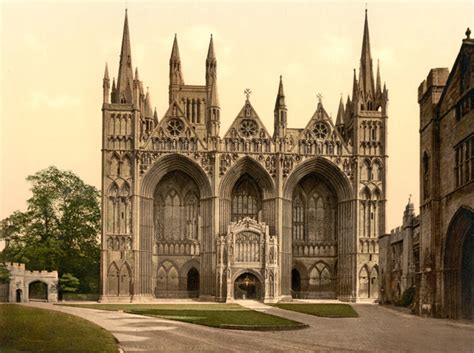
pixel 174 125
pixel 247 124
pixel 320 127
pixel 446 99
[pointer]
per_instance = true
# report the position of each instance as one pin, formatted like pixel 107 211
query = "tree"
pixel 4 274
pixel 59 230
pixel 68 283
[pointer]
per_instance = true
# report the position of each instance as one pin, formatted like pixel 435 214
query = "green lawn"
pixel 230 316
pixel 26 329
pixel 324 310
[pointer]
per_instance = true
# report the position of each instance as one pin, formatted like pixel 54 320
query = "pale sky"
pixel 53 56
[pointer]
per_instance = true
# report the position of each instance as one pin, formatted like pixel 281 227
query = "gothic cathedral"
pixel 187 212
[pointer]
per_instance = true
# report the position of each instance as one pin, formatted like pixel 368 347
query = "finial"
pixel 468 33
pixel 247 93
pixel 320 98
pixel 409 198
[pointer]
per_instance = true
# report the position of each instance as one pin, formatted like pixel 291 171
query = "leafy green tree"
pixel 4 274
pixel 68 283
pixel 59 230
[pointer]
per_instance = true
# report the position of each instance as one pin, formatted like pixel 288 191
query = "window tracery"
pixel 245 199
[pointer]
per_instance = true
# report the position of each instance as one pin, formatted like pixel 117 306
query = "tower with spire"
pixel 188 211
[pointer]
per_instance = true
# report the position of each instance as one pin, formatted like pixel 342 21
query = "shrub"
pixel 408 297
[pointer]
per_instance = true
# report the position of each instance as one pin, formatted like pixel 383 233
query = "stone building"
pixel 399 257
pixel 25 286
pixel 446 99
pixel 188 212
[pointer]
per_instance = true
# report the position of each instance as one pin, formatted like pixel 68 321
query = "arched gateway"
pixel 188 211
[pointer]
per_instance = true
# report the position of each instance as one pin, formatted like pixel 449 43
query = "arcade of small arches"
pixel 177 217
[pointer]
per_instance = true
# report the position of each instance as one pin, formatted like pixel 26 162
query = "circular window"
pixel 248 128
pixel 175 127
pixel 320 130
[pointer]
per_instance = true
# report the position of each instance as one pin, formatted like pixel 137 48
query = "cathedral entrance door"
pixel 247 286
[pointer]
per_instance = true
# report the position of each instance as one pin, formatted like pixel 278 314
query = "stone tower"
pixel 249 214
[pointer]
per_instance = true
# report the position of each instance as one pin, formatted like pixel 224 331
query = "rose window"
pixel 321 130
pixel 175 127
pixel 248 128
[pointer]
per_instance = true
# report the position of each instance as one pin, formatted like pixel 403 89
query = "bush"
pixel 408 297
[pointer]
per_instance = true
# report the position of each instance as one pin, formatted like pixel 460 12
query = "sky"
pixel 54 54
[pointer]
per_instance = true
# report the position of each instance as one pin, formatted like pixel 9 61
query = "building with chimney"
pixel 191 211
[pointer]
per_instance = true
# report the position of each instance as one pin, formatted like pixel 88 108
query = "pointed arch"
pixel 377 170
pixel 365 173
pixel 125 279
pixel 374 283
pixel 114 164
pixel 327 169
pixel 247 165
pixel 246 199
pixel 191 205
pixel 364 282
pixel 458 275
pixel 298 215
pixel 113 279
pixel 126 170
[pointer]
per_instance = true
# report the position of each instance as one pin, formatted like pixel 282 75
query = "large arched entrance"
pixel 175 196
pixel 247 286
pixel 459 266
pixel 318 214
pixel 38 290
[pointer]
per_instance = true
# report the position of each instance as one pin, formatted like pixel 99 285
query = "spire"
pixel 378 85
pixel 211 65
pixel 106 86
pixel 366 72
pixel 106 73
pixel 355 90
pixel 340 113
pixel 137 77
pixel 148 108
pixel 125 74
pixel 211 56
pixel 280 113
pixel 155 117
pixel 175 50
pixel 280 99
pixel 176 76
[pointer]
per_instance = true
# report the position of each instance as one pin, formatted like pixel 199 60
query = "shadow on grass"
pixel 322 310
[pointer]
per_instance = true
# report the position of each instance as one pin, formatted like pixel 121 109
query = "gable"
pixel 174 126
pixel 247 125
pixel 320 128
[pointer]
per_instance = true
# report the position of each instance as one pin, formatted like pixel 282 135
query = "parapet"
pixel 436 78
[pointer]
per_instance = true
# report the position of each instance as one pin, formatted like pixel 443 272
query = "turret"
pixel 213 120
pixel 124 91
pixel 280 113
pixel 176 76
pixel 106 85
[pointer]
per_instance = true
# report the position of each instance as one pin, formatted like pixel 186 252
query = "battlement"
pixel 436 78
pixel 15 266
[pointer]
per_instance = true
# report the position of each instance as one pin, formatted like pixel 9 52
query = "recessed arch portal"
pixel 459 266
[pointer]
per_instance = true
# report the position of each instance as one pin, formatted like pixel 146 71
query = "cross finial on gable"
pixel 247 93
pixel 320 98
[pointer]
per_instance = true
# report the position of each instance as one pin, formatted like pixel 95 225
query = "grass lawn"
pixel 324 310
pixel 26 329
pixel 230 316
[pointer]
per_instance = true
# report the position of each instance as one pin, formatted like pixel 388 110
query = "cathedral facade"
pixel 188 212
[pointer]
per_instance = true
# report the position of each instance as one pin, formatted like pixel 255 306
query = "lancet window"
pixel 246 201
